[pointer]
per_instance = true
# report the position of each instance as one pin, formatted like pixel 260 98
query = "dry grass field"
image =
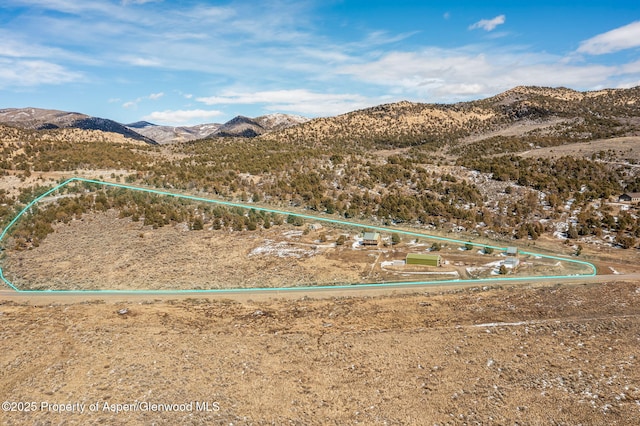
pixel 104 252
pixel 552 355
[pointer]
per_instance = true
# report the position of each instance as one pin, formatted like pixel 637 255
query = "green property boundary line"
pixel 305 216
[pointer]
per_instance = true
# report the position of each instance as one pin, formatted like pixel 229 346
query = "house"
pixel 629 197
pixel 512 251
pixel 511 262
pixel 423 259
pixel 371 239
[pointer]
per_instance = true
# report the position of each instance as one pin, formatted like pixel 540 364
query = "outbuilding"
pixel 371 239
pixel 512 251
pixel 423 259
pixel 629 197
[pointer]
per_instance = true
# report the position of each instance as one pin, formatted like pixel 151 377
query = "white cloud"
pixel 244 41
pixel 141 62
pixel 301 101
pixel 25 73
pixel 255 46
pixel 631 68
pixel 444 75
pixel 12 49
pixel 177 117
pixel 128 2
pixel 629 84
pixel 17 46
pixel 206 13
pixel 151 97
pixel 71 6
pixel 382 37
pixel 622 38
pixel 489 24
pixel 270 96
pixel 327 107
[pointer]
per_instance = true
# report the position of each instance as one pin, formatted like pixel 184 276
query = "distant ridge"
pixel 46 119
pixel 239 126
pixel 555 112
pixel 140 125
pixel 170 134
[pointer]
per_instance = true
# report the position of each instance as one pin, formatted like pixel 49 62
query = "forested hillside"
pixel 448 167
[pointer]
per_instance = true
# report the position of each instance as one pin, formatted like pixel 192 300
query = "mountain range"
pixel 240 126
pixel 46 119
pixel 541 111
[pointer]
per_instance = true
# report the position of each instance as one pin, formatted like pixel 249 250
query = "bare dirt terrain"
pixel 551 355
pixel 622 149
pixel 104 252
pixel 500 353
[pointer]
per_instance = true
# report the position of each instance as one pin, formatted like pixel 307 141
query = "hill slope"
pixel 44 119
pixel 550 112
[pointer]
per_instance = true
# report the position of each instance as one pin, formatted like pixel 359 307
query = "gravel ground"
pixel 554 355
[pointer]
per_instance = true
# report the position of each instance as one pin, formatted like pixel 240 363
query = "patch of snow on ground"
pixel 282 249
pixel 493 266
pixel 502 324
pixel 414 244
pixel 561 230
pixel 439 273
pixel 290 234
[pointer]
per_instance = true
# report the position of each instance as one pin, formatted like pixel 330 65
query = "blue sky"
pixel 187 62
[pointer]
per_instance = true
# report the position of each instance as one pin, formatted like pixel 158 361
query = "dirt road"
pixel 43 297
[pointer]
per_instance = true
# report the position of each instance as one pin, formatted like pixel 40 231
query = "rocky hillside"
pixel 529 163
pixel 395 125
pixel 522 111
pixel 44 119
